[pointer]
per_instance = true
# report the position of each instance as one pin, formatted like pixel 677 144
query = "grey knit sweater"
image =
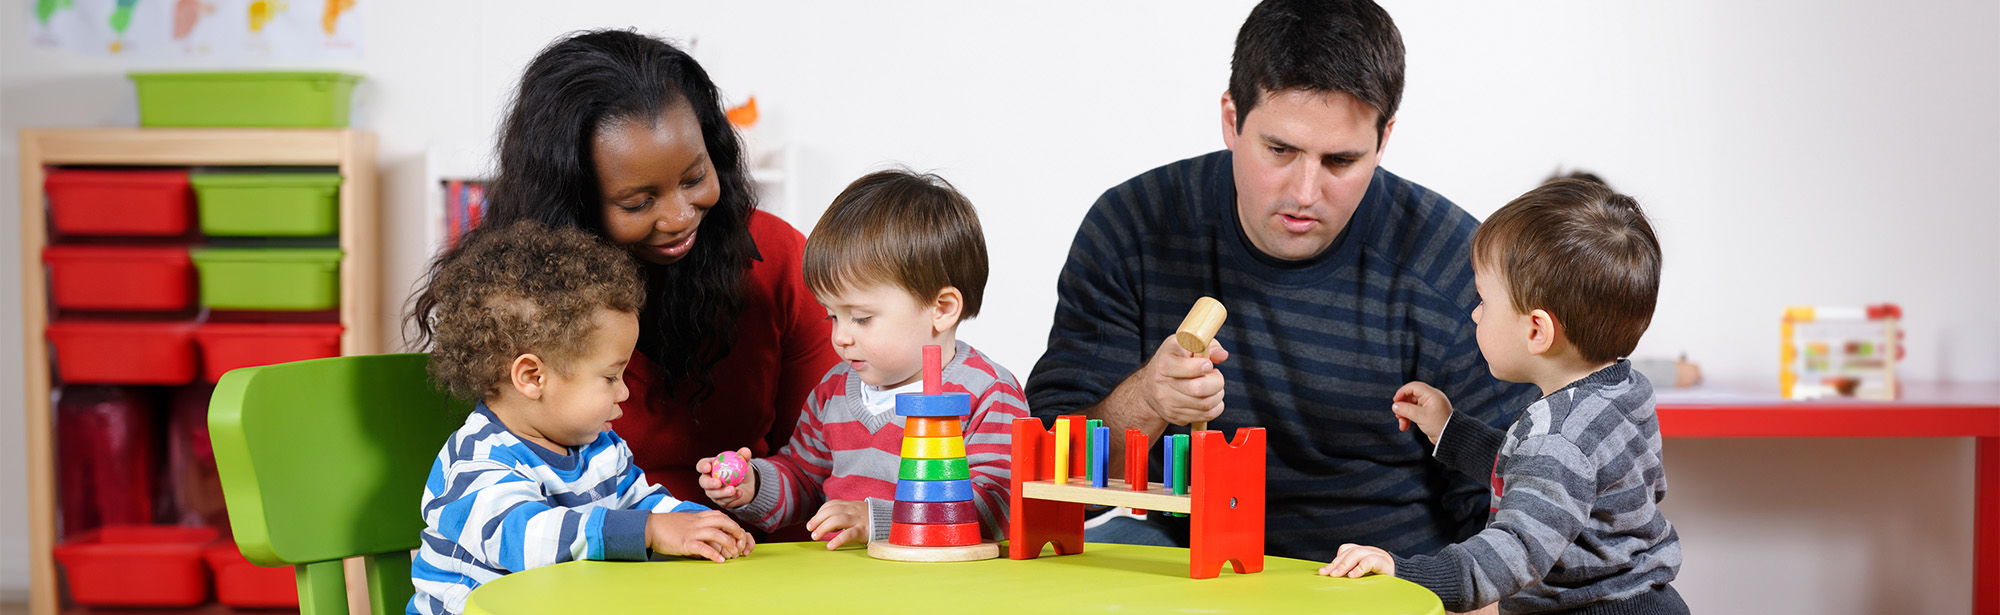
pixel 1577 481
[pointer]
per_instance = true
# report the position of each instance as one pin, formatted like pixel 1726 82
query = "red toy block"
pixel 1228 509
pixel 1033 523
pixel 1135 462
pixel 934 534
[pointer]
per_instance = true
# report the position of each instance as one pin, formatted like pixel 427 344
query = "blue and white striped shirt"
pixel 495 504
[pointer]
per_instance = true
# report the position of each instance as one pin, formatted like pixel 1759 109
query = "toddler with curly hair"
pixel 535 325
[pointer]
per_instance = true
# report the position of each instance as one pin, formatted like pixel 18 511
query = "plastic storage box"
pixel 123 352
pixel 150 202
pixel 120 278
pixel 297 279
pixel 244 99
pixel 241 584
pixel 104 457
pixel 227 346
pixel 268 204
pixel 137 565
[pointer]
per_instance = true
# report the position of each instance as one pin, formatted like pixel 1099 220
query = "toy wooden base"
pixel 1224 502
pixel 882 549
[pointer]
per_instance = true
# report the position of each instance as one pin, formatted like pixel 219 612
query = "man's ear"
pixel 947 307
pixel 529 375
pixel 1382 142
pixel 1229 128
pixel 1543 330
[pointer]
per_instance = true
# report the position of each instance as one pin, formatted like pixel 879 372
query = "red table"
pixel 1927 410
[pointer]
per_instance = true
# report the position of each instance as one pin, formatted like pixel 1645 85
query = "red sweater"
pixel 782 349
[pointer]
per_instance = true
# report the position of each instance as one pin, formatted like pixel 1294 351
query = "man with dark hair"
pixel 1343 282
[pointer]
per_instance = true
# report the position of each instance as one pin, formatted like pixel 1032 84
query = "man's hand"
pixel 1424 405
pixel 724 495
pixel 1181 387
pixel 840 522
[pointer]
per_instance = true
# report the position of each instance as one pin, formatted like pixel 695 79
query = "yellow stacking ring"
pixel 933 448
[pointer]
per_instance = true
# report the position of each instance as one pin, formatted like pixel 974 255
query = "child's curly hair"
pixel 520 289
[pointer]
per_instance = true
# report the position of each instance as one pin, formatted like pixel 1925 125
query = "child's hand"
pixel 840 522
pixel 707 534
pixel 722 494
pixel 1424 405
pixel 1355 561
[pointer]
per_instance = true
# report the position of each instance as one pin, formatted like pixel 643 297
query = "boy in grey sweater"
pixel 1567 276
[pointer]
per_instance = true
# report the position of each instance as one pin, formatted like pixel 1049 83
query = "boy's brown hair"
pixel 903 228
pixel 1584 253
pixel 522 289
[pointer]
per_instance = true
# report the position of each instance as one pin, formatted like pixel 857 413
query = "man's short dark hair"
pixel 1346 46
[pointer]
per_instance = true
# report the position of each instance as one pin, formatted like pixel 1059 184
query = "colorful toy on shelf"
pixel 1840 352
pixel 730 468
pixel 935 519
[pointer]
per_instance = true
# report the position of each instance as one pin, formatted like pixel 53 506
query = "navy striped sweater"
pixel 1317 347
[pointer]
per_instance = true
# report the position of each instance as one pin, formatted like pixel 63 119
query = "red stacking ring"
pixel 934 534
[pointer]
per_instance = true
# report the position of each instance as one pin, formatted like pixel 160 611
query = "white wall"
pixel 1790 153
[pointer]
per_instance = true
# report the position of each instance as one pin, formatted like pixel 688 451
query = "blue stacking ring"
pixel 934 490
pixel 942 404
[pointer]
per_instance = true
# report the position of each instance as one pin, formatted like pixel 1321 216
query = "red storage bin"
pixel 241 584
pixel 124 352
pixel 120 202
pixel 230 345
pixel 124 278
pixel 192 482
pixel 104 458
pixel 137 565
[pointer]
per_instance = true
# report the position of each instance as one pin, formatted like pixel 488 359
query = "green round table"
pixel 803 577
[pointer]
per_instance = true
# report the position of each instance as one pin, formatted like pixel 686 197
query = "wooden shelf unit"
pixel 360 269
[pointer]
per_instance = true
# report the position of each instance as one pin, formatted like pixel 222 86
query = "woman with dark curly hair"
pixel 623 135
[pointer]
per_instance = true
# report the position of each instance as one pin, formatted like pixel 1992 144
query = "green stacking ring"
pixel 934 469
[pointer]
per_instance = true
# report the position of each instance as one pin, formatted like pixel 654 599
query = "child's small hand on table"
pixel 840 522
pixel 1356 561
pixel 723 494
pixel 707 534
pixel 1424 405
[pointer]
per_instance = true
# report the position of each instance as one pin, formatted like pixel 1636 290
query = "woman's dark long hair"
pixel 575 87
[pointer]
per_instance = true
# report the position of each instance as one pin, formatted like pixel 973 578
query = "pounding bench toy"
pixel 935 519
pixel 1219 484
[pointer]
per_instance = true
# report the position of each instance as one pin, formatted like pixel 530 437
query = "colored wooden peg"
pixel 934 535
pixel 933 490
pixel 934 370
pixel 1079 463
pixel 1089 449
pixel 1062 451
pixel 936 512
pixel 934 469
pixel 1182 462
pixel 932 427
pixel 1135 462
pixel 1100 447
pixel 1167 466
pixel 933 448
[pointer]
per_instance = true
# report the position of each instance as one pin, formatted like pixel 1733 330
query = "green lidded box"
pixel 244 99
pixel 268 204
pixel 294 279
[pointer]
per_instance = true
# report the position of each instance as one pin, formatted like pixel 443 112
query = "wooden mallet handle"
pixel 1198 329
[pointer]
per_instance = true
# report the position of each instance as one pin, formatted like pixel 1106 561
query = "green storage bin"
pixel 268 204
pixel 245 99
pixel 298 279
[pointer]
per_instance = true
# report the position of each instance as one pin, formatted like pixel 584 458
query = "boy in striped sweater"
pixel 1567 276
pixel 898 260
pixel 535 324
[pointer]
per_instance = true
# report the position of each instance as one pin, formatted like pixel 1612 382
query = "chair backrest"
pixel 326 459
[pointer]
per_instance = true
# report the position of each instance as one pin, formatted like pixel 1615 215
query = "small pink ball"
pixel 730 468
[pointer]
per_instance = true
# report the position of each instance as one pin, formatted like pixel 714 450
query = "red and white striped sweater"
pixel 841 451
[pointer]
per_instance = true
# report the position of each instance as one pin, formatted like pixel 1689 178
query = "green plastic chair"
pixel 326 459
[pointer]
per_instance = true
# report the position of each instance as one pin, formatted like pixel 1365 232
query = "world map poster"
pixel 200 28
